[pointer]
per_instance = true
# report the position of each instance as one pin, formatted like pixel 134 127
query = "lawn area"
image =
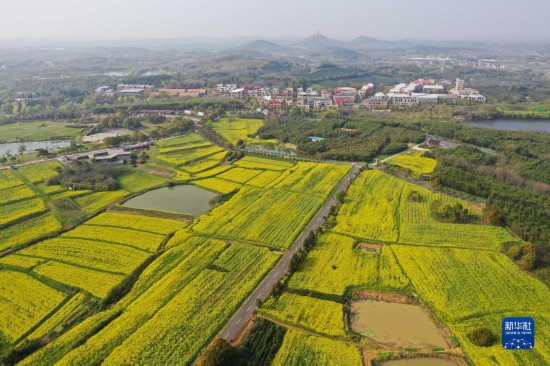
pixel 37 131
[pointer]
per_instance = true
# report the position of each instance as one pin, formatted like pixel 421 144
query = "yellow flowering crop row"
pixel 321 316
pixel 96 201
pixel 250 215
pixel 253 162
pixel 218 185
pixel 9 179
pixel 89 253
pixel 239 175
pixel 301 349
pixel 55 321
pixel 16 210
pixel 264 179
pixel 333 265
pixel 181 311
pixel 24 301
pixel 369 210
pixel 137 239
pixel 40 172
pixel 145 223
pixel 27 231
pixel 97 283
pixel 460 283
pixel 15 194
pixel 312 178
pixel 183 157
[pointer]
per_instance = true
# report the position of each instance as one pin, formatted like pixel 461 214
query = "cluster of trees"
pixel 259 347
pixel 85 176
pixel 176 126
pixel 450 212
pixel 347 135
pixel 525 210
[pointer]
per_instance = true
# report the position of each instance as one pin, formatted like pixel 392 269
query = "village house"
pixel 366 90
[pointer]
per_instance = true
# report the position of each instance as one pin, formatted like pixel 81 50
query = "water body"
pixel 398 325
pixel 13 147
pixel 513 124
pixel 420 362
pixel 181 199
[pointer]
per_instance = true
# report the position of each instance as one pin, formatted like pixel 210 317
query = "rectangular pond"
pixel 397 325
pixel 185 199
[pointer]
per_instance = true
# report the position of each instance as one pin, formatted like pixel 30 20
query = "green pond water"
pixel 180 199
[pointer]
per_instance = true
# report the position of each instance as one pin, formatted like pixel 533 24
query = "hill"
pixel 262 46
pixel 318 41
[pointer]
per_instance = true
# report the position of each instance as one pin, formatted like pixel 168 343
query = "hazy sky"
pixel 397 19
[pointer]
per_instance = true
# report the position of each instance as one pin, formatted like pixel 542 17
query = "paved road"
pixel 242 316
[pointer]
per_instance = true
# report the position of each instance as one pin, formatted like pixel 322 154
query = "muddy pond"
pixel 395 324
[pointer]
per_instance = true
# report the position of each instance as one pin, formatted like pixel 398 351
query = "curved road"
pixel 237 323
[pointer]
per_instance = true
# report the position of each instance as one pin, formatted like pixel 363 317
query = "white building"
pixel 433 89
pixel 403 100
pixel 237 93
pixel 398 89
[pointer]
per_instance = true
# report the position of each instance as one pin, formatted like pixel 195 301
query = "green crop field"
pixel 138 181
pixel 37 131
pixel 40 172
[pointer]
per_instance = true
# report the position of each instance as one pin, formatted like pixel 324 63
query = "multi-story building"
pixel 403 100
pixel 366 90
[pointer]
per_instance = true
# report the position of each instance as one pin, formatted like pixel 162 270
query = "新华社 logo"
pixel 518 333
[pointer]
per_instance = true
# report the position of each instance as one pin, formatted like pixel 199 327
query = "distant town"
pixel 419 91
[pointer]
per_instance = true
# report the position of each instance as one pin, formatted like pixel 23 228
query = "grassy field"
pixel 136 181
pixel 37 131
